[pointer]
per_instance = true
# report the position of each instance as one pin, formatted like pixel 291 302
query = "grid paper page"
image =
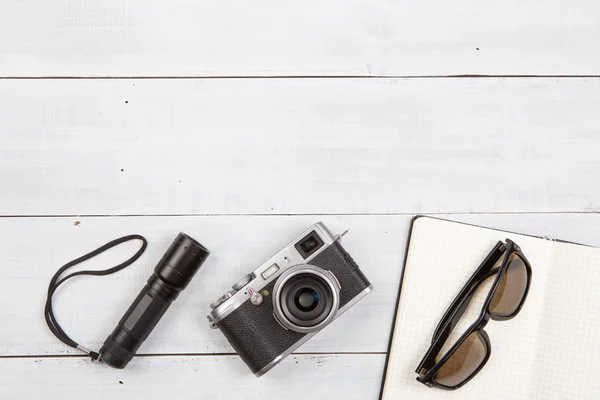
pixel 546 352
pixel 568 351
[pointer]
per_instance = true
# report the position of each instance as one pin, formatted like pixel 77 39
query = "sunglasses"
pixel 472 351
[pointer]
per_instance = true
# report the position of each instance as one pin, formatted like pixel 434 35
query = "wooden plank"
pixel 88 308
pixel 112 147
pixel 333 376
pixel 353 37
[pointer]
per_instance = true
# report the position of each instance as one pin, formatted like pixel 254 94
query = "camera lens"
pixel 306 298
pixel 301 297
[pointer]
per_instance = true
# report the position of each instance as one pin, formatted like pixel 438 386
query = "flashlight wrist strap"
pixel 56 281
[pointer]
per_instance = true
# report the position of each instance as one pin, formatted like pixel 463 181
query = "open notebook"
pixel 550 350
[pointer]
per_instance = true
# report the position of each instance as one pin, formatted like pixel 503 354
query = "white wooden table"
pixel 242 123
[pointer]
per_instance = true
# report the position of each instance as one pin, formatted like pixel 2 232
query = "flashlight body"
pixel 172 274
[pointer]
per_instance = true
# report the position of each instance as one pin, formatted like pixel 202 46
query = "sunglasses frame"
pixel 428 367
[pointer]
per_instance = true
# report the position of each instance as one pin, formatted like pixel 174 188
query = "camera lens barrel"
pixel 171 275
pixel 301 313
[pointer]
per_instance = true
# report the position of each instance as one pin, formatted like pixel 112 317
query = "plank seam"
pixel 585 212
pixel 265 77
pixel 24 356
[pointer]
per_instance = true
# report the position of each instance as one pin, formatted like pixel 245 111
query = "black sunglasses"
pixel 471 352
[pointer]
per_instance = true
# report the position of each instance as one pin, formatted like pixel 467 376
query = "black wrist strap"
pixel 56 281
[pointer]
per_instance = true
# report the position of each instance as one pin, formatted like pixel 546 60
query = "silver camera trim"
pixel 327 276
pixel 285 259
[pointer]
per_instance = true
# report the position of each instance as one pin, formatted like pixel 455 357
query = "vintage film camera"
pixel 284 302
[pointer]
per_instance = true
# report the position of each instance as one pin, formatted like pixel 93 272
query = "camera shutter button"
pixel 242 282
pixel 256 299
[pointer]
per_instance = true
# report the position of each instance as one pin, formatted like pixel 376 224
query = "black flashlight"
pixel 173 273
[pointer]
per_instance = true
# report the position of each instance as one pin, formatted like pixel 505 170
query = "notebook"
pixel 550 350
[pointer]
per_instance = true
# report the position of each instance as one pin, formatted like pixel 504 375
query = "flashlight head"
pixel 181 261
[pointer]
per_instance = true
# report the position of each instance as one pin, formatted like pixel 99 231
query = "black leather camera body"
pixel 276 308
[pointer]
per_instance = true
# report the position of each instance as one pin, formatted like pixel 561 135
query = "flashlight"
pixel 173 273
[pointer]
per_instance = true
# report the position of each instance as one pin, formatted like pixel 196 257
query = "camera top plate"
pixel 284 259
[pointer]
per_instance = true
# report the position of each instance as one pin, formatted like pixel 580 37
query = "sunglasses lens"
pixel 511 289
pixel 463 363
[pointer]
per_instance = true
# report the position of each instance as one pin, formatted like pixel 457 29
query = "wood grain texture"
pixel 225 377
pixel 88 308
pixel 113 147
pixel 355 37
pixel 243 165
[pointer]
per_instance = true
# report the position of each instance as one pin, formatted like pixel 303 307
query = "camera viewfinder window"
pixel 309 244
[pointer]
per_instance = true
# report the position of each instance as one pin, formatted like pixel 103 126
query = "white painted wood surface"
pixel 210 377
pixel 308 38
pixel 183 344
pixel 89 307
pixel 113 147
pixel 86 309
pixel 244 164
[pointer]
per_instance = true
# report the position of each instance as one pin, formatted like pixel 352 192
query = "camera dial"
pixel 243 282
pixel 222 299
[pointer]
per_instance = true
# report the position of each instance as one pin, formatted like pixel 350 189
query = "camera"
pixel 276 308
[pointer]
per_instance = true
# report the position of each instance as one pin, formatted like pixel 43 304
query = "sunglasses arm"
pixel 459 306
